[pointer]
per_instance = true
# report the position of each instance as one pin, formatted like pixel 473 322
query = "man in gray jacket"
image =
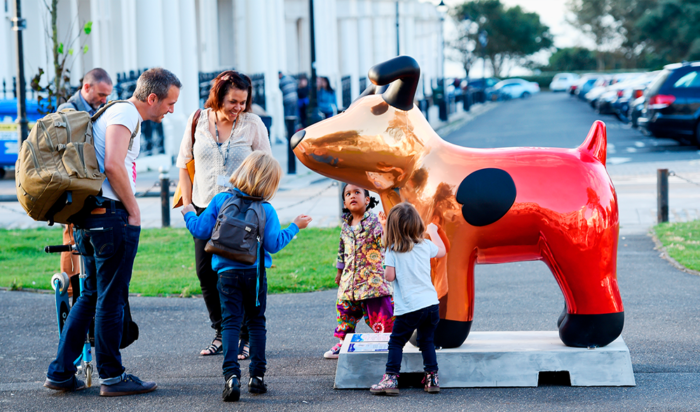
pixel 97 86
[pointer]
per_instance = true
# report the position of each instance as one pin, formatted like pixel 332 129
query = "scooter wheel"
pixel 63 282
pixel 88 375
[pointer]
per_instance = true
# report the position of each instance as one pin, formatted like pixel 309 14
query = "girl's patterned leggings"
pixel 377 312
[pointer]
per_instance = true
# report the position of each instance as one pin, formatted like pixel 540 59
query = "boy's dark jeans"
pixel 108 245
pixel 237 293
pixel 425 321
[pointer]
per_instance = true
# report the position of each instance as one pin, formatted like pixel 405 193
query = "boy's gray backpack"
pixel 240 226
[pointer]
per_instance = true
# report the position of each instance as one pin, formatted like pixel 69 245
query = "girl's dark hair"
pixel 404 228
pixel 372 201
pixel 223 83
pixel 328 87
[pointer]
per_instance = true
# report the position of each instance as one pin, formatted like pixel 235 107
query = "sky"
pixel 552 14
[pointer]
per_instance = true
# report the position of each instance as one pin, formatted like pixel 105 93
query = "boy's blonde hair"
pixel 259 175
pixel 404 228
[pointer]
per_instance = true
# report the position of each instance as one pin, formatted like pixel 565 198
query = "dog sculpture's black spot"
pixel 486 196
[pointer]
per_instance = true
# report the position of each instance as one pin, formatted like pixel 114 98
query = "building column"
pixel 365 39
pixel 149 27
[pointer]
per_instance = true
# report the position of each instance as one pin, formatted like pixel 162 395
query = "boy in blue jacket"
pixel 240 288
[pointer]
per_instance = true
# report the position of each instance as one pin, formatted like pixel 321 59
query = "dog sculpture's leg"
pixel 594 314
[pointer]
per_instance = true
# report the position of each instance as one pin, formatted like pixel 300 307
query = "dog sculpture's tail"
pixel 596 143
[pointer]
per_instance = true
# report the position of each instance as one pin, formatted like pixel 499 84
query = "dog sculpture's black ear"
pixel 403 73
pixel 370 90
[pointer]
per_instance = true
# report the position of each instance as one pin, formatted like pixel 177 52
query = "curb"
pixel 664 255
pixel 472 114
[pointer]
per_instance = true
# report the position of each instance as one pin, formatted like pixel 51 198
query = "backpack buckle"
pixel 248 229
pixel 59 124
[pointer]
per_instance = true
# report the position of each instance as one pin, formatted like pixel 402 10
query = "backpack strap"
pixel 262 219
pixel 99 113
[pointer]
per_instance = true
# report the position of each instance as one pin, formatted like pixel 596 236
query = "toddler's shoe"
pixel 256 385
pixel 71 385
pixel 335 350
pixel 432 385
pixel 232 389
pixel 389 385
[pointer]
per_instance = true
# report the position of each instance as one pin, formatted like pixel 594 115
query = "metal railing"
pixel 346 84
pixel 363 84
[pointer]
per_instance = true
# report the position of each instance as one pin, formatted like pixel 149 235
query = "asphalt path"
pixel 661 318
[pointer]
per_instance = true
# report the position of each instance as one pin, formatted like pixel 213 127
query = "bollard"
pixel 442 110
pixel 661 195
pixel 164 198
pixel 340 199
pixel 466 100
pixel 290 122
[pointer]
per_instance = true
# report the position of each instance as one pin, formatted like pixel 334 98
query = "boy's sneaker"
pixel 232 389
pixel 389 385
pixel 333 353
pixel 256 385
pixel 430 380
pixel 71 385
pixel 129 385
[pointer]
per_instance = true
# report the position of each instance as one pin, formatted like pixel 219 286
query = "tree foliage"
pixel 513 34
pixel 645 33
pixel 571 59
pixel 58 82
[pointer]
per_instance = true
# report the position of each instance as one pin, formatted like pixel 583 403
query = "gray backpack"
pixel 238 233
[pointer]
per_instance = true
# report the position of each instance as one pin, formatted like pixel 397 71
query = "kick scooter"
pixel 60 282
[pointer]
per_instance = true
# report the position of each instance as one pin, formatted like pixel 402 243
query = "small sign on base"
pixel 489 359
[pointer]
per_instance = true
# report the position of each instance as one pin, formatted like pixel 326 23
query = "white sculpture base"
pixel 492 359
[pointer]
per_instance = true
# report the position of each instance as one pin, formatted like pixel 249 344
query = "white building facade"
pixel 262 37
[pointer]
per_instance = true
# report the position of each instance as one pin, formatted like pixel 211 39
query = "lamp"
pixel 442 7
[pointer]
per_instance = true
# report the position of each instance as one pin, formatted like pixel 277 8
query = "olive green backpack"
pixel 57 169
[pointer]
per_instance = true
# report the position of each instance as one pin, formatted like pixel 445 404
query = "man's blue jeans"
pixel 425 321
pixel 237 293
pixel 108 245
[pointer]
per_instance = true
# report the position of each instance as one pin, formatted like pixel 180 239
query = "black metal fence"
pixel 346 84
pixel 152 135
pixel 13 89
pixel 258 80
pixel 363 84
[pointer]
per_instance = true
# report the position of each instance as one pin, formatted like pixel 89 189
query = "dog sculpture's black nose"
pixel 298 136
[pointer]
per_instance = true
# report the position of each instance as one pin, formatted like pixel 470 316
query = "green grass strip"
pixel 682 241
pixel 165 262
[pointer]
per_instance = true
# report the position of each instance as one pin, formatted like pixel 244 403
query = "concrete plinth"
pixel 491 359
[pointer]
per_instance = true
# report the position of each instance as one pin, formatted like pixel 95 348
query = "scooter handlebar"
pixel 58 248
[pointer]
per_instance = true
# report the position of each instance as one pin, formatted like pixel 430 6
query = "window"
pixel 691 79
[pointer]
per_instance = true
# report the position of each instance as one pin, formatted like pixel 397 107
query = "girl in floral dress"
pixel 363 292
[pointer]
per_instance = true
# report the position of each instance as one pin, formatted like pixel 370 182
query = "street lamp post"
pixel 443 114
pixel 398 48
pixel 19 24
pixel 312 113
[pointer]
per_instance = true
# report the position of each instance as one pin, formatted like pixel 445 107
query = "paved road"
pixel 661 318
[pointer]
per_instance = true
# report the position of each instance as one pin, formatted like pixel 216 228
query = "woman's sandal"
pixel 213 348
pixel 243 350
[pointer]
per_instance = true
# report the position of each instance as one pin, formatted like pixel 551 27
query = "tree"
pixel 572 58
pixel 593 17
pixel 512 33
pixel 671 30
pixel 57 88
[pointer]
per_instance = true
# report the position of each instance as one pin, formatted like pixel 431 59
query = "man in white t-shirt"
pixel 108 238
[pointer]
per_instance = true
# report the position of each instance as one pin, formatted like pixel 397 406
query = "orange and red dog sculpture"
pixel 491 205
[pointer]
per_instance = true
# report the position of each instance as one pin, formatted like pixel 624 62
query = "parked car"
pixel 635 111
pixel 562 81
pixel 516 88
pixel 623 105
pixel 585 86
pixel 604 103
pixel 598 88
pixel 481 89
pixel 672 103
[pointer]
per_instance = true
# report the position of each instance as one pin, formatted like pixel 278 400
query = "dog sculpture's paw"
pixel 486 196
